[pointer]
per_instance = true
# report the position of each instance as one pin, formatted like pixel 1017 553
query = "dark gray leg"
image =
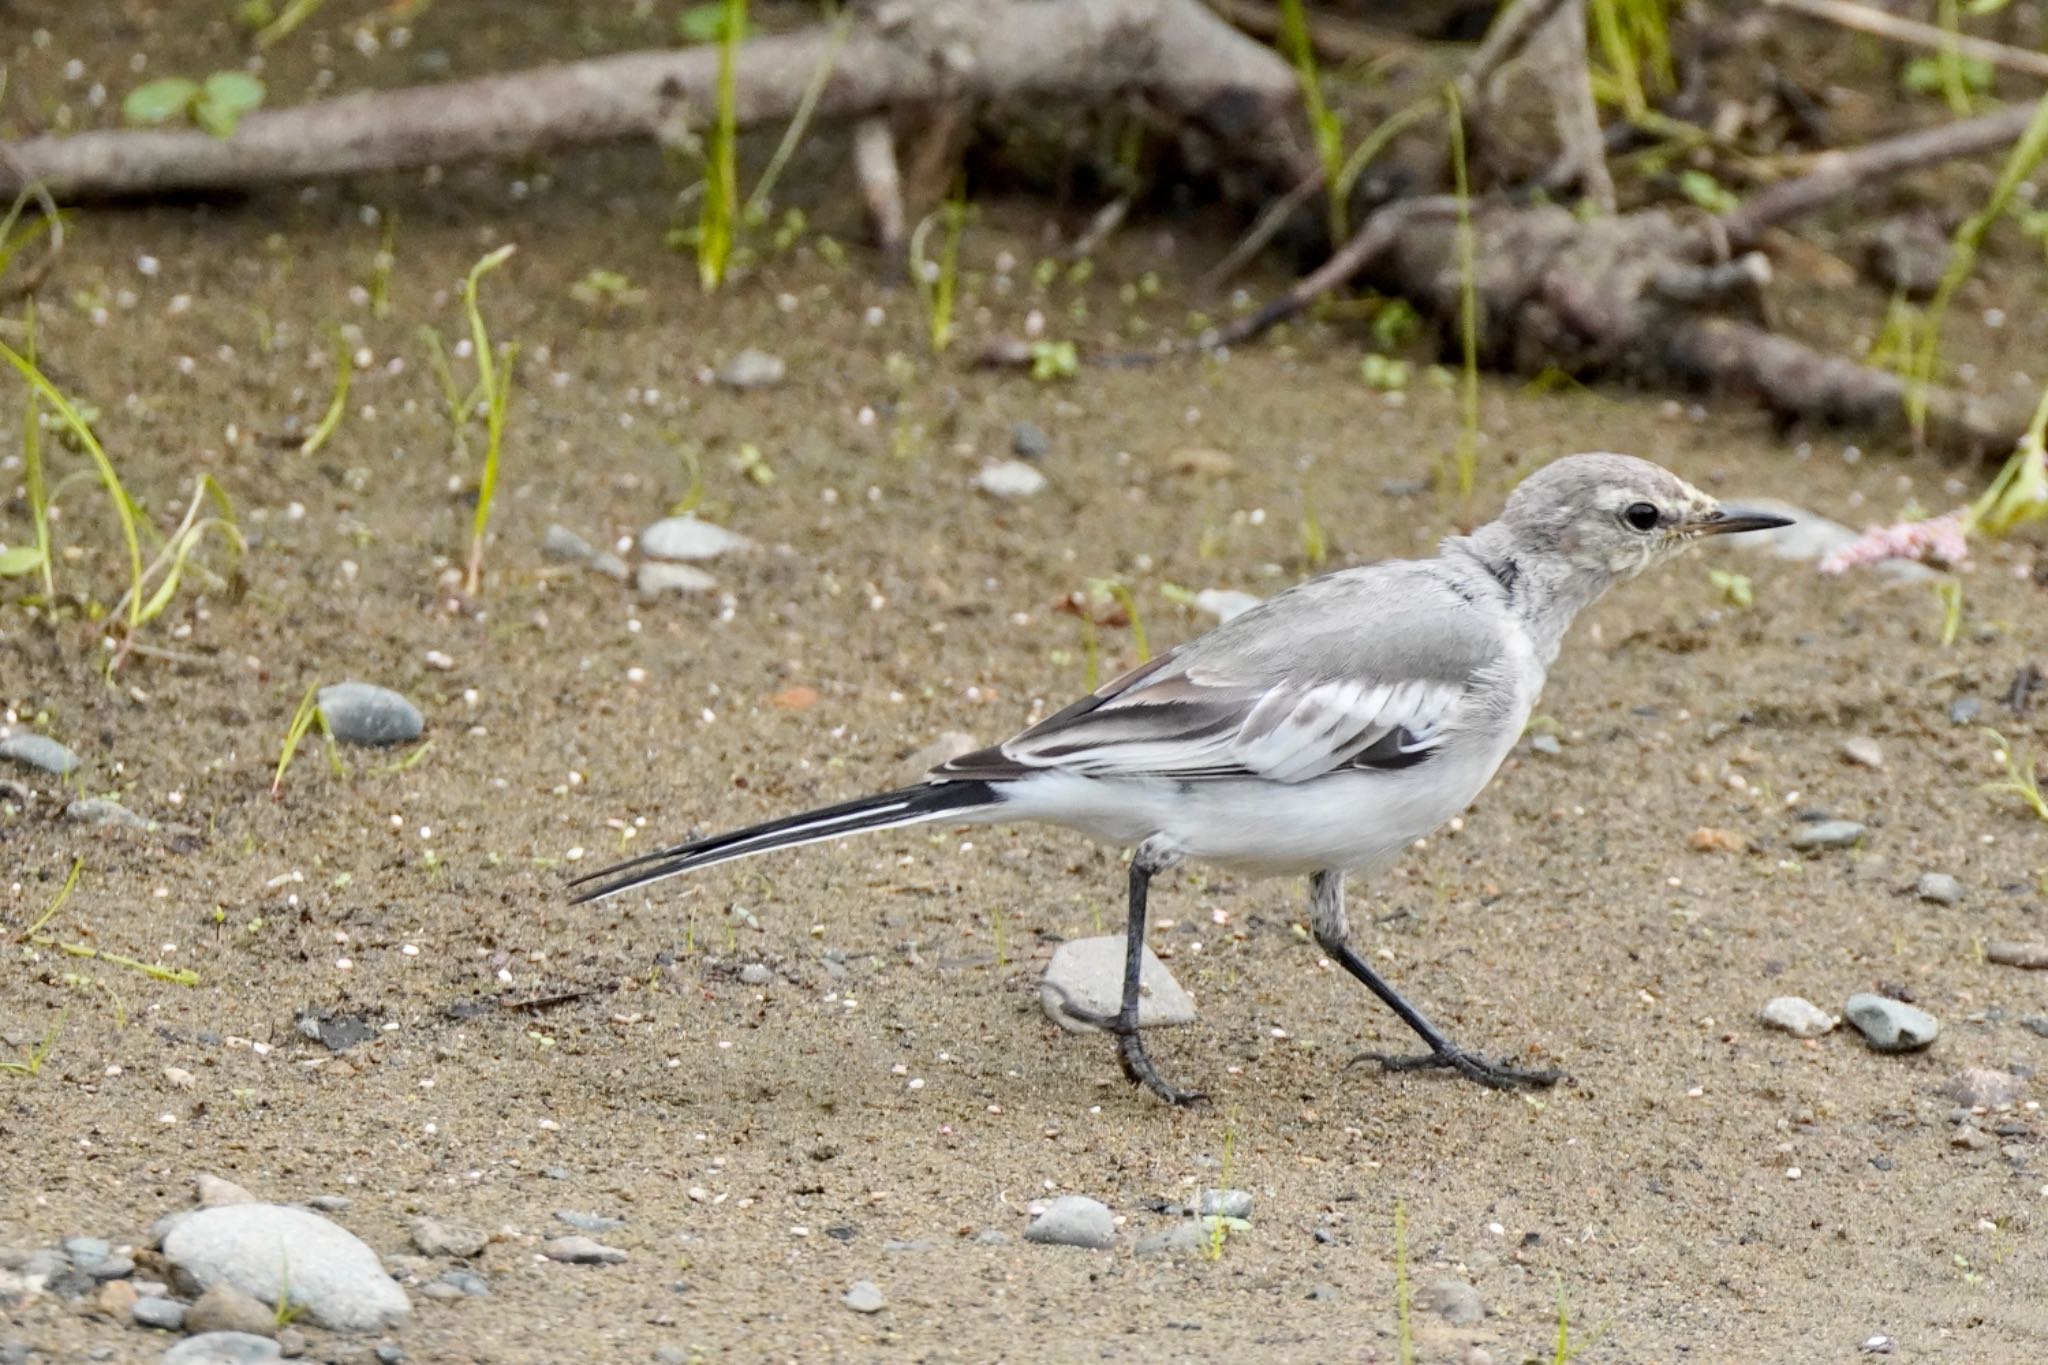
pixel 1150 859
pixel 1332 930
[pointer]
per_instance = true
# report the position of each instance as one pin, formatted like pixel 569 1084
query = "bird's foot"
pixel 1138 1068
pixel 1130 1049
pixel 1471 1066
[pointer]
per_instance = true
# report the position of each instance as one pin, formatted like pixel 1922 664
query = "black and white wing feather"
pixel 1372 669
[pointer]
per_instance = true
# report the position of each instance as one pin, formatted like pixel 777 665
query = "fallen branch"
pixel 1205 75
pixel 1838 173
pixel 1865 19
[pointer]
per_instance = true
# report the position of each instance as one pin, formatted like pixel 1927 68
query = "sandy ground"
pixel 1701 1188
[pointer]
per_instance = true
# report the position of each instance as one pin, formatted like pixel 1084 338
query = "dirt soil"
pixel 1702 1188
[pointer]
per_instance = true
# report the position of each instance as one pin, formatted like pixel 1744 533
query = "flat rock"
pixel 1938 887
pixel 1451 1299
pixel 688 538
pixel 1798 1016
pixel 1863 751
pixel 1978 1087
pixel 657 577
pixel 579 1250
pixel 2014 953
pixel 1890 1025
pixel 224 1308
pixel 1225 603
pixel 103 813
pixel 432 1237
pixel 756 974
pixel 363 713
pixel 223 1348
pixel 1028 441
pixel 271 1250
pixel 562 543
pixel 864 1297
pixel 1074 1220
pixel 152 1310
pixel 589 1222
pixel 215 1192
pixel 752 369
pixel 39 752
pixel 1822 835
pixel 1091 972
pixel 1010 479
pixel 611 566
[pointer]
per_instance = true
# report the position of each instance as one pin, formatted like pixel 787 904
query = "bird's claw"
pixel 1492 1075
pixel 1138 1069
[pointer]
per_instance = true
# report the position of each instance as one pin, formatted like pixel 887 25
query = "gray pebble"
pixel 87 1252
pixel 1938 887
pixel 1828 834
pixel 752 369
pixel 1074 1220
pixel 1964 710
pixel 579 1250
pixel 1322 1293
pixel 1225 1204
pixel 754 974
pixel 1090 971
pixel 329 1203
pixel 165 1314
pixel 224 1348
pixel 106 814
pixel 562 543
pixel 1798 1016
pixel 611 566
pixel 1028 441
pixel 362 713
pixel 688 538
pixel 589 1222
pixel 864 1297
pixel 1545 744
pixel 40 752
pixel 112 1268
pixel 466 1282
pixel 1891 1025
pixel 658 576
pixel 992 1237
pixel 1456 1302
pixel 435 1238
pixel 1863 751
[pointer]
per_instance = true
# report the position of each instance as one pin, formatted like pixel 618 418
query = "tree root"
pixel 1205 76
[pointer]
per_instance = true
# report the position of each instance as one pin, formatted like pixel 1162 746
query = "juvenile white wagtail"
pixel 1320 732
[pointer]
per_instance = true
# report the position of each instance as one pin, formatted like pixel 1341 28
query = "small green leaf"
pixel 227 96
pixel 702 23
pixel 20 560
pixel 1707 192
pixel 159 101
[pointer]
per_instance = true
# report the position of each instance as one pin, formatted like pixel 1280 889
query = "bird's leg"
pixel 1150 859
pixel 1332 930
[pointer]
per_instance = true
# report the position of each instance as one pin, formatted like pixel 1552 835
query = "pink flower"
pixel 1940 541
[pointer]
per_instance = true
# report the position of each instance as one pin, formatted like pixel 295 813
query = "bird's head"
pixel 1615 515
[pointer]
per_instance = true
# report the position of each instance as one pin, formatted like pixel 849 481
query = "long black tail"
pixel 909 806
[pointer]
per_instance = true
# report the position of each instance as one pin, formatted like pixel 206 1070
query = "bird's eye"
pixel 1641 516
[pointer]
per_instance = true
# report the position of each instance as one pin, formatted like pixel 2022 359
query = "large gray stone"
pixel 1074 1220
pixel 270 1251
pixel 363 713
pixel 1891 1025
pixel 1091 972
pixel 40 752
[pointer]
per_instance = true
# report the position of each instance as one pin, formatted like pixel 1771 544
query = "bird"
pixel 1319 733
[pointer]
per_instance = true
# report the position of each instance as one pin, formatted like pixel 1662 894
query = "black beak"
pixel 1722 522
